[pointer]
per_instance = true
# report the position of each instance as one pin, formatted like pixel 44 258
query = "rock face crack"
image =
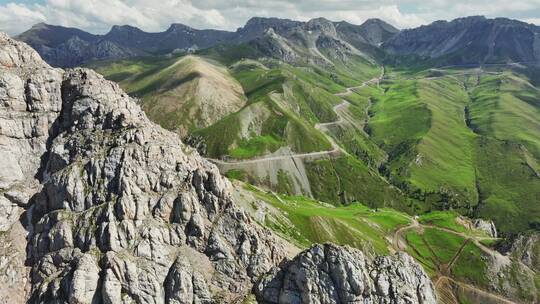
pixel 332 274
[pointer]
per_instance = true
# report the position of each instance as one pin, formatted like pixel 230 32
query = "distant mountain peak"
pixel 374 20
pixel 321 24
pixel 40 25
pixel 476 18
pixel 124 29
pixel 266 20
pixel 319 20
pixel 473 40
pixel 175 27
pixel 381 23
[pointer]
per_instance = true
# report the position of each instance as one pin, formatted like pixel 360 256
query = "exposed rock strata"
pixel 487 226
pixel 121 210
pixel 526 248
pixel 332 274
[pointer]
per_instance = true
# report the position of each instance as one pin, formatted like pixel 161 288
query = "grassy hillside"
pixel 425 139
pixel 183 94
pixel 290 107
pixel 314 222
pixel 462 140
pixel 444 159
pixel 509 188
pixel 507 107
pixel 442 242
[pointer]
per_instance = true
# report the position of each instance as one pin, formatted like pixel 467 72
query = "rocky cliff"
pixel 99 205
pixel 332 274
pixel 526 248
pixel 118 209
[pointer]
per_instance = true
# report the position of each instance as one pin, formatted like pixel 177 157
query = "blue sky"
pixel 97 16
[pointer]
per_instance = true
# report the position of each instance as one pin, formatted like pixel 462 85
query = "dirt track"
pixel 336 150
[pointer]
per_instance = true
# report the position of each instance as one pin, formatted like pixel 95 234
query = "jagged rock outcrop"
pixel 332 274
pixel 314 42
pixel 487 226
pixel 30 102
pixel 119 210
pixel 526 248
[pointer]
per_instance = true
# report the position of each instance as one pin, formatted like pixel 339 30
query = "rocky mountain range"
pixel 419 149
pixel 464 41
pixel 67 47
pixel 471 40
pixel 100 205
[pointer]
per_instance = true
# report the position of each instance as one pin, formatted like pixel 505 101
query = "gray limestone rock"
pixel 486 226
pixel 112 200
pixel 332 274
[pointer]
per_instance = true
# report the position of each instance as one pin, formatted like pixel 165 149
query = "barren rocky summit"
pixel 100 205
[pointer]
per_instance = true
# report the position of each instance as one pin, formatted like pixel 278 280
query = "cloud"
pixel 533 21
pixel 16 17
pixel 97 16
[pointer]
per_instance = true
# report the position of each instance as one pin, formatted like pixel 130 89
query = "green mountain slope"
pixel 386 154
pixel 182 94
pixel 420 140
pixel 463 140
pixel 507 107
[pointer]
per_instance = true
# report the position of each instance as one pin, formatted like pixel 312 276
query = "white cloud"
pixel 99 15
pixel 532 20
pixel 15 17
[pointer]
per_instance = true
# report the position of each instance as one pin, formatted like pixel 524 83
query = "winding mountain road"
pixel 336 149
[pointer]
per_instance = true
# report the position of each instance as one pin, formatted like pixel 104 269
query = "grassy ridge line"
pixel 507 107
pixel 179 93
pixel 313 221
pixel 444 160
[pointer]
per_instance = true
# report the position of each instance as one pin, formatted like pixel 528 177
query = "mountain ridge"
pixel 466 40
pixel 129 41
pixel 470 40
